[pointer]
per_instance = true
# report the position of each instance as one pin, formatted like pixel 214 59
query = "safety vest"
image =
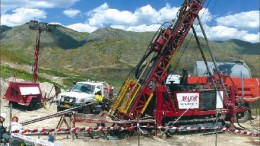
pixel 99 98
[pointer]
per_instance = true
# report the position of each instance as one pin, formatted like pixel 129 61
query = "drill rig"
pixel 144 93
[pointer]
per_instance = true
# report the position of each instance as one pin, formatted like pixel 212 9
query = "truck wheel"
pixel 33 105
pixel 59 109
pixel 87 110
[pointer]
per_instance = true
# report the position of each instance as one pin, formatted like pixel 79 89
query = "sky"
pixel 222 19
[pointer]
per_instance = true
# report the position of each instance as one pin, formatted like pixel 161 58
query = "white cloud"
pixel 221 33
pixel 145 18
pixel 21 16
pixel 103 15
pixel 143 28
pixel 146 15
pixel 138 28
pixel 119 27
pixel 244 25
pixel 142 19
pixel 81 27
pixel 166 13
pixel 12 4
pixel 55 23
pixel 243 20
pixel 238 26
pixel 71 12
pixel 205 15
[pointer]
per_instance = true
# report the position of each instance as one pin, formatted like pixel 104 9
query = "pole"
pixel 37 50
pixel 10 121
pixel 212 56
pixel 138 135
pixel 40 27
pixel 204 58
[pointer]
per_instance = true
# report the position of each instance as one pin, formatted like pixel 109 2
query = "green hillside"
pixel 109 54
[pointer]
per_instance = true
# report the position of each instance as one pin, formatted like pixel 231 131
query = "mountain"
pixel 109 53
pixel 4 28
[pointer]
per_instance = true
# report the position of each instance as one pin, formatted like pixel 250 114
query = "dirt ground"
pixel 227 139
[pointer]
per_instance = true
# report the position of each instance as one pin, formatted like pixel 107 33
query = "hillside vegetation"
pixel 107 53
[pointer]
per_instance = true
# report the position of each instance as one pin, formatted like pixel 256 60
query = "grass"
pixel 14 56
pixel 68 82
pixel 52 72
pixel 7 72
pixel 255 107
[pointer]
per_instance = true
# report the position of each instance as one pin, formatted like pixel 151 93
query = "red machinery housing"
pixel 27 94
pixel 175 104
pixel 249 91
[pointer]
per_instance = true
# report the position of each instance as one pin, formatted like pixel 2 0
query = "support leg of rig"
pixel 90 135
pixel 232 108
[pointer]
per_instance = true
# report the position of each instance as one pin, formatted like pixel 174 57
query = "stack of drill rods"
pixel 114 122
pixel 53 115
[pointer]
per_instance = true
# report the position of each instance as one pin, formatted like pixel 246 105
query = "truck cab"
pixel 82 93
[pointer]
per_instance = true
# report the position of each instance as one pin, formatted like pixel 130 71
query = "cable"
pixel 253 125
pixel 189 40
pixel 167 128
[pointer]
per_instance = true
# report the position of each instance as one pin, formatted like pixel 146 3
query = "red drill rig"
pixel 145 94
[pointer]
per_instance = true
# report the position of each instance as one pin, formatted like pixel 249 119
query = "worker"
pixel 4 137
pixel 15 125
pixel 99 97
pixel 51 137
pixel 99 101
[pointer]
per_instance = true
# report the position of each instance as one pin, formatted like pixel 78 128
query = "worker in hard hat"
pixel 99 97
pixel 15 124
pixel 99 101
pixel 4 137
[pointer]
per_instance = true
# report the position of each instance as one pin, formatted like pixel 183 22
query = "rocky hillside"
pixel 108 54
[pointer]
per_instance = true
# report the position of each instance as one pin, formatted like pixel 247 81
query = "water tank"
pixel 233 69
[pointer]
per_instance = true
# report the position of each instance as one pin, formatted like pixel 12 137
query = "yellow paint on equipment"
pixel 174 53
pixel 146 104
pixel 122 97
pixel 128 103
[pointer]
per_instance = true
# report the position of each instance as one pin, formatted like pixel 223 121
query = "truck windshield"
pixel 86 88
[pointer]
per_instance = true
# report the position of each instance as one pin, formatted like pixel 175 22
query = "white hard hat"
pixel 3 115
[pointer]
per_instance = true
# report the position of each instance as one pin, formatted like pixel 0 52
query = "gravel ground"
pixel 223 139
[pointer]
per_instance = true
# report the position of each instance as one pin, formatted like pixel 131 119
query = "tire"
pixel 244 117
pixel 87 110
pixel 59 109
pixel 15 104
pixel 33 104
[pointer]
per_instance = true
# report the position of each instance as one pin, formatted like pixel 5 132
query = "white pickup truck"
pixel 83 93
